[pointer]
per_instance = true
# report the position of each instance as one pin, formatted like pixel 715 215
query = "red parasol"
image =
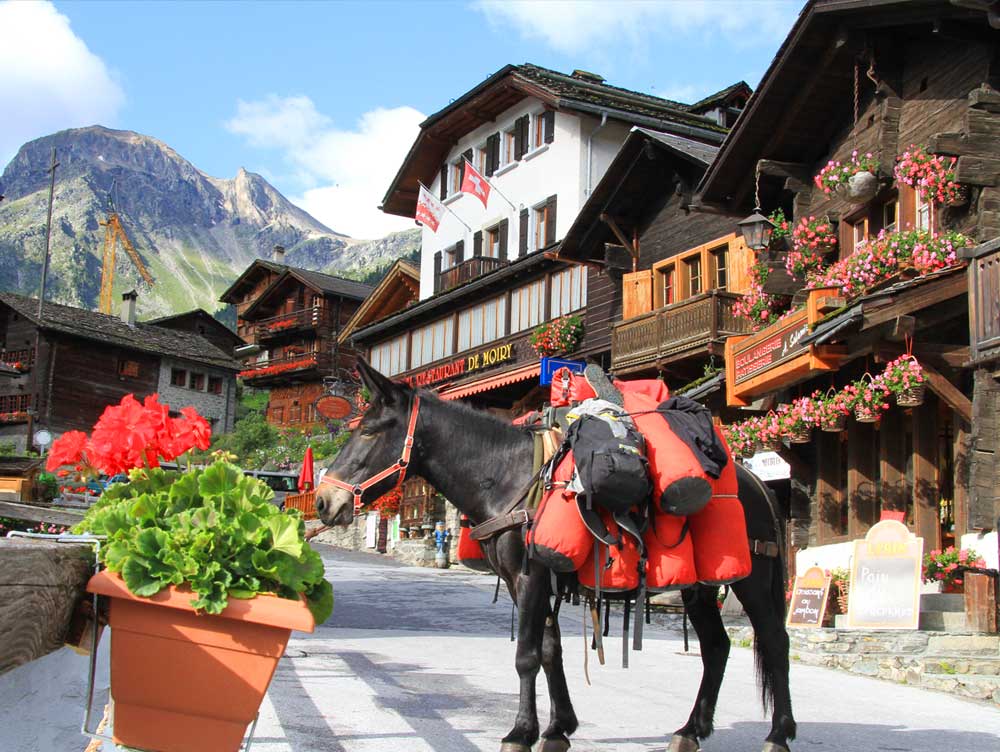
pixel 306 474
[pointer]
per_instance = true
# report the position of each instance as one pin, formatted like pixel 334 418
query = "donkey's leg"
pixel 763 598
pixel 702 609
pixel 563 721
pixel 532 609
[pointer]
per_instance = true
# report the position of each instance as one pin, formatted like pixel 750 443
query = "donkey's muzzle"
pixel 335 506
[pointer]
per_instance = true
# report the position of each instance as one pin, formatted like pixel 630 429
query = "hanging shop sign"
pixel 476 361
pixel 810 593
pixel 334 407
pixel 550 365
pixel 885 578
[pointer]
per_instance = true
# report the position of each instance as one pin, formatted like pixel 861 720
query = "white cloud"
pixel 50 80
pixel 576 26
pixel 346 171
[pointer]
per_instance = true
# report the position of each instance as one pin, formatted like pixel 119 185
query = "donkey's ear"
pixel 378 384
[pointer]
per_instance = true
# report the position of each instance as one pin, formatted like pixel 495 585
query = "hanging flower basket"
pixel 800 435
pixel 958 197
pixel 853 180
pixel 770 444
pixel 833 423
pixel 931 175
pixel 860 188
pixel 561 335
pixel 912 396
pixel 905 378
pixel 865 414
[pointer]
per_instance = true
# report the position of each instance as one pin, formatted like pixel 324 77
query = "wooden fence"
pixel 304 502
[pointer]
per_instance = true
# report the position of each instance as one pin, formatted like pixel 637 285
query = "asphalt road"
pixel 420 660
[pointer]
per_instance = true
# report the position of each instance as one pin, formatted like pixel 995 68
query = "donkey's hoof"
pixel 772 747
pixel 555 744
pixel 514 747
pixel 680 743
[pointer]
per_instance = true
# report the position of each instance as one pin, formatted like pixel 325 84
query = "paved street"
pixel 420 660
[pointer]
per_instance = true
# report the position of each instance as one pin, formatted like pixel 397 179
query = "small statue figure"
pixel 442 539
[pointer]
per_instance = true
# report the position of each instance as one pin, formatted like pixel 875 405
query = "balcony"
pixel 313 318
pixel 675 332
pixel 289 368
pixel 467 270
pixel 13 362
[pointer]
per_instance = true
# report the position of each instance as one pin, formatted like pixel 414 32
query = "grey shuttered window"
pixel 437 271
pixel 522 234
pixel 459 252
pixel 477 244
pixel 503 229
pixel 549 121
pixel 520 137
pixel 550 220
pixel 492 154
pixel 444 182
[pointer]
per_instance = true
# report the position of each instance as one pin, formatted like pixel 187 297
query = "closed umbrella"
pixel 306 474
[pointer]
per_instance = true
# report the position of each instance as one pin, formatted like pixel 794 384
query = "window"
pixel 537 130
pixel 295 413
pixel 455 177
pixel 540 221
pixel 277 415
pixel 198 382
pixel 450 257
pixel 923 212
pixel 859 234
pixel 527 306
pixel 432 342
pixel 890 215
pixel 508 142
pixel 491 247
pixel 667 285
pixel 389 358
pixel 480 159
pixel 129 368
pixel 720 264
pixel 178 377
pixel 693 268
pixel 568 291
pixel 215 385
pixel 483 323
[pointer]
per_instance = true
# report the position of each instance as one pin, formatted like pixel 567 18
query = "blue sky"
pixel 323 98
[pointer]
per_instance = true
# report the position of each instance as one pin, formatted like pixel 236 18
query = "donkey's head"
pixel 375 445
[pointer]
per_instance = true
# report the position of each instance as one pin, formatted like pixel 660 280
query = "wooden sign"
pixel 778 344
pixel 483 358
pixel 809 596
pixel 885 578
pixel 334 407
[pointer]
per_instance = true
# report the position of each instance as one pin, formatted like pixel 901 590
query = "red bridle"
pixel 399 466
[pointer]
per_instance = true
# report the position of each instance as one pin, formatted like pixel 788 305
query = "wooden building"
pixel 877 80
pixel 204 324
pixel 73 363
pixel 292 318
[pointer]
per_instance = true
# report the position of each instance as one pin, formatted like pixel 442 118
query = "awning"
pixel 492 382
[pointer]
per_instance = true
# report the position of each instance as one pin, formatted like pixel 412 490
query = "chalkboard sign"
pixel 885 578
pixel 809 596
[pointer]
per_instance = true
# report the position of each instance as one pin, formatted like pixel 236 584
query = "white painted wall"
pixel 984 544
pixel 830 556
pixel 557 168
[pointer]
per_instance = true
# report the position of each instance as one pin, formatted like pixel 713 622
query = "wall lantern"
pixel 756 230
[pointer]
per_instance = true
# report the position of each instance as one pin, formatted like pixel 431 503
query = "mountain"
pixel 195 233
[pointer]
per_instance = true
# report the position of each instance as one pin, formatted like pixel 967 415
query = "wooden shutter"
pixel 550 220
pixel 907 208
pixel 740 260
pixel 437 271
pixel 459 252
pixel 549 123
pixel 492 154
pixel 522 239
pixel 520 137
pixel 444 182
pixel 477 244
pixel 637 293
pixel 984 462
pixel 503 239
pixel 466 156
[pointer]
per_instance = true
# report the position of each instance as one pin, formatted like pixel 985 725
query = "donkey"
pixel 481 463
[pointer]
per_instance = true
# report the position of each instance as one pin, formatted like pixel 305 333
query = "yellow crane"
pixel 113 233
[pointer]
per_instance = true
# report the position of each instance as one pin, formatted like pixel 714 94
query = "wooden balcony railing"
pixel 315 317
pixel 675 331
pixel 467 270
pixel 276 368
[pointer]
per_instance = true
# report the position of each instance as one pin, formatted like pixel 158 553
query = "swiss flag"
pixel 474 183
pixel 429 209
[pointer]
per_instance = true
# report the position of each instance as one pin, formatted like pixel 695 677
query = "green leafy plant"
pixel 560 335
pixel 213 529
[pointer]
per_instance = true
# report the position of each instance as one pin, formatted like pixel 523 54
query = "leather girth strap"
pixel 769 549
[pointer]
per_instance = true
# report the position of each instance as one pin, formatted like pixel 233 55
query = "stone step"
pixel 977 687
pixel 943 621
pixel 972 666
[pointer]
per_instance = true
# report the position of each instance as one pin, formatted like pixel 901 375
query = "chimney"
pixel 128 307
pixel 594 78
pixel 279 254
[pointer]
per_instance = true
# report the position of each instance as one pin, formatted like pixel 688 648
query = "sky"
pixel 325 98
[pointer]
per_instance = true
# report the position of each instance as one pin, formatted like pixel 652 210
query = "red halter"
pixel 400 464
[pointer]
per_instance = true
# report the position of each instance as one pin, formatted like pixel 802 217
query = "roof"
pixel 806 95
pixel 101 327
pixel 398 288
pixel 634 181
pixel 740 88
pixel 325 283
pixel 202 315
pixel 322 283
pixel 583 93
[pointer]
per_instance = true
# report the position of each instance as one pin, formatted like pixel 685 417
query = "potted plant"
pixel 931 175
pixel 853 180
pixel 840 582
pixel 206 579
pixel 832 409
pixel 943 566
pixel 797 420
pixel 866 398
pixel 561 335
pixel 905 379
pixel 812 239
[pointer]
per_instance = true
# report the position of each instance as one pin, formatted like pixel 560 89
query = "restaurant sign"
pixel 785 343
pixel 476 361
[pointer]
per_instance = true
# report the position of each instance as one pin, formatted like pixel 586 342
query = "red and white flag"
pixel 476 184
pixel 429 209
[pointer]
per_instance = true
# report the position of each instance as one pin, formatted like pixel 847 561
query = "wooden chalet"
pixel 877 78
pixel 292 318
pixel 72 363
pixel 204 324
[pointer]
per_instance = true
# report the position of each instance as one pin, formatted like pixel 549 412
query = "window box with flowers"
pixel 854 180
pixel 206 577
pixel 558 336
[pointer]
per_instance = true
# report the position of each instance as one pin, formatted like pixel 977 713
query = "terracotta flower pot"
pixel 188 682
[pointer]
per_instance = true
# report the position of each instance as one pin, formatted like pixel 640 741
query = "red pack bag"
pixel 623 574
pixel 670 554
pixel 719 532
pixel 679 482
pixel 470 552
pixel 558 538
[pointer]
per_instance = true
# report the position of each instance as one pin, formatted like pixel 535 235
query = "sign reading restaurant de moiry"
pixel 483 358
pixel 885 578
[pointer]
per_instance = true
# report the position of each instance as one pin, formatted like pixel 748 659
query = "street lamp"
pixel 756 230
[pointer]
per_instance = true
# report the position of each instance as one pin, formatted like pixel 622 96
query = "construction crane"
pixel 113 233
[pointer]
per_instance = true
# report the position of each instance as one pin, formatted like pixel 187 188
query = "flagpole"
pixel 492 185
pixel 446 207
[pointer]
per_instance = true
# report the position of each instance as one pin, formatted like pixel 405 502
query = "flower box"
pixel 188 682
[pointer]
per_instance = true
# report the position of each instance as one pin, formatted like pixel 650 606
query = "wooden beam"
pixel 912 300
pixel 948 392
pixel 40 585
pixel 30 513
pixel 794 170
pixel 622 238
pixel 949 356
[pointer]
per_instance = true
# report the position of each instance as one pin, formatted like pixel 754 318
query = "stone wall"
pixel 967 665
pixel 220 409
